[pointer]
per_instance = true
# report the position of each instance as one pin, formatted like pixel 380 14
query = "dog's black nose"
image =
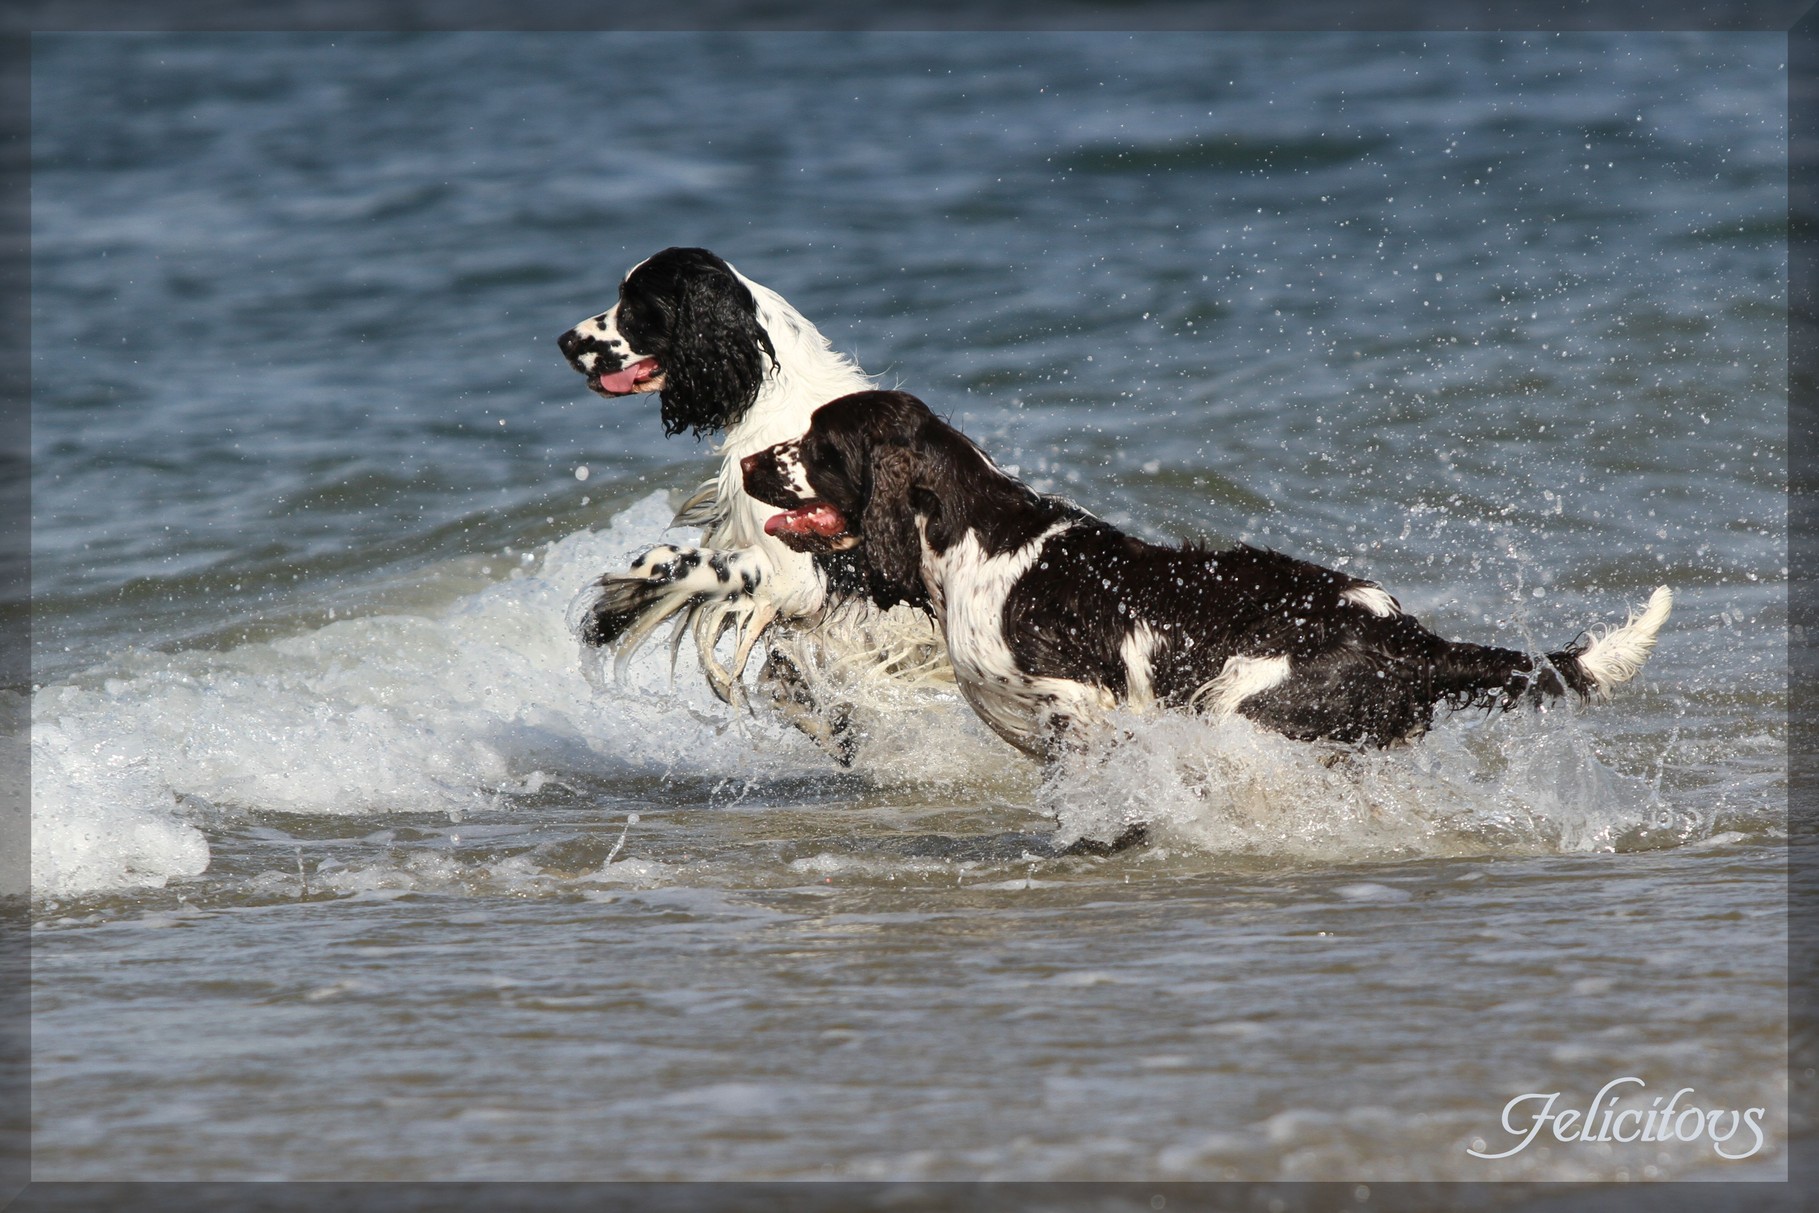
pixel 569 343
pixel 749 464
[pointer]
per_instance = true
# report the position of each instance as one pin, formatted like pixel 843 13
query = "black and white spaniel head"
pixel 876 471
pixel 686 325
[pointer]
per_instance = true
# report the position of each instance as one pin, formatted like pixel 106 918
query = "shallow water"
pixel 343 867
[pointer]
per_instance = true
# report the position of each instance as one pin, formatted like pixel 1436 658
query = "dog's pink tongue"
pixel 629 379
pixel 818 519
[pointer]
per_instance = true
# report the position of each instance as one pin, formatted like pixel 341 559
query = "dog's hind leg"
pixel 829 728
pixel 1131 836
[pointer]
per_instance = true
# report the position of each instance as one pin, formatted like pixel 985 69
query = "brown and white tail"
pixel 1615 655
pixel 1466 674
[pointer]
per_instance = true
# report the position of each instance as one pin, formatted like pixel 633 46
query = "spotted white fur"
pixel 789 462
pixel 808 374
pixel 605 327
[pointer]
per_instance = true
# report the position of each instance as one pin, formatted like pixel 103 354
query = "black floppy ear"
pixel 715 362
pixel 893 548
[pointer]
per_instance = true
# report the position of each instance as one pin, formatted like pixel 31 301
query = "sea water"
pixel 346 862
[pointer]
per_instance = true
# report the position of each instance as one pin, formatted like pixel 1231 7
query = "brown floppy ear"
pixel 893 549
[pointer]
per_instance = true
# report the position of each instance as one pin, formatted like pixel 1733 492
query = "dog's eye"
pixel 635 322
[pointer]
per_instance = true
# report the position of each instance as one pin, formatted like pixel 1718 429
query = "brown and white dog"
pixel 1053 617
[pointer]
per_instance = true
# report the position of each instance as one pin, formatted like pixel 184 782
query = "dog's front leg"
pixel 620 610
pixel 748 617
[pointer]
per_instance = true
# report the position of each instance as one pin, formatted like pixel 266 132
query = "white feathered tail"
pixel 1617 654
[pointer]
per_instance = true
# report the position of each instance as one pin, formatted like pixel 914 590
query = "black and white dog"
pixel 732 357
pixel 1052 617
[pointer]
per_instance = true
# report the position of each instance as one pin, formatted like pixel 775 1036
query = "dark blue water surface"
pixel 1496 320
pixel 287 288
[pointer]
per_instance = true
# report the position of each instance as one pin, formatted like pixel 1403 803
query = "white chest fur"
pixel 968 590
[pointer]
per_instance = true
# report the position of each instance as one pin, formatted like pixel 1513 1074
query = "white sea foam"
pixel 1520 782
pixel 101 816
pixel 438 712
pixel 461 708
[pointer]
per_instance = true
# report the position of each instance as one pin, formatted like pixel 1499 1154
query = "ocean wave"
pixel 437 712
pixel 454 710
pixel 462 708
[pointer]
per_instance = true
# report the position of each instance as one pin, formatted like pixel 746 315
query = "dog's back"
pixel 1052 615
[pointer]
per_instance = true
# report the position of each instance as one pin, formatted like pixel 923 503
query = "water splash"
pixel 463 708
pixel 452 711
pixel 1510 784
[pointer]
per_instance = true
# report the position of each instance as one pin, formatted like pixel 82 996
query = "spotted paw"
pixel 621 609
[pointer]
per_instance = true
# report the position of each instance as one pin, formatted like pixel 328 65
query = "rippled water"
pixel 343 868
